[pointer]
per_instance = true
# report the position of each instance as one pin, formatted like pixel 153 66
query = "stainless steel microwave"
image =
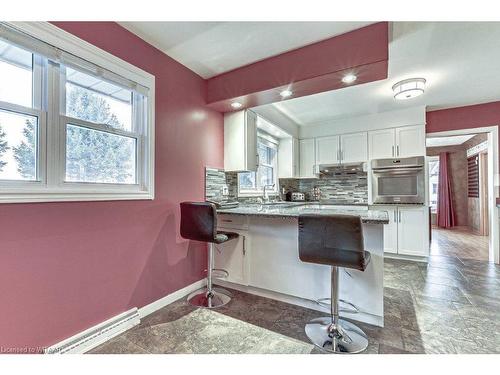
pixel 398 180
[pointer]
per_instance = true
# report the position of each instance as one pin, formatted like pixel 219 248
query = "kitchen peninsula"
pixel 264 260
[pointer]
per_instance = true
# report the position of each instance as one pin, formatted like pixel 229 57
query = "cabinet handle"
pixel 244 246
pixel 227 220
pixel 393 151
pixel 399 214
pixel 397 148
pixel 258 161
pixel 395 216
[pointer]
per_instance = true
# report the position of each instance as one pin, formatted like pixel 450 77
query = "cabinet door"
pixel 288 158
pixel 381 144
pixel 240 141
pixel 231 256
pixel 252 157
pixel 413 231
pixel 391 231
pixel 328 150
pixel 295 158
pixel 306 156
pixel 410 141
pixel 354 147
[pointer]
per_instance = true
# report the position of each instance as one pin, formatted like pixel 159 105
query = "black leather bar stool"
pixel 337 241
pixel 199 223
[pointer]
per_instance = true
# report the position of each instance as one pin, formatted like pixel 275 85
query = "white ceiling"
pixel 460 61
pixel 212 48
pixel 447 141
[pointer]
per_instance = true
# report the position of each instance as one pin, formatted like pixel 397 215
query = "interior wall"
pixel 458 171
pixel 65 267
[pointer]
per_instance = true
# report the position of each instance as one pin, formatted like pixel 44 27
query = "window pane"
pixel 18 146
pixel 97 156
pixel 16 75
pixel 264 176
pixel 92 99
pixel 246 180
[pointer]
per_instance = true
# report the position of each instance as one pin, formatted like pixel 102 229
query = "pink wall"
pixel 468 117
pixel 472 116
pixel 67 266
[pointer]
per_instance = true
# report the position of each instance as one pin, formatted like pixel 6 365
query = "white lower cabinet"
pixel 391 231
pixel 408 230
pixel 232 257
pixel 413 232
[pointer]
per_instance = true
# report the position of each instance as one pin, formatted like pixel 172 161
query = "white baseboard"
pixel 94 336
pixel 168 299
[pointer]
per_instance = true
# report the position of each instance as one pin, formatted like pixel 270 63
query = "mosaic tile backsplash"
pixel 345 187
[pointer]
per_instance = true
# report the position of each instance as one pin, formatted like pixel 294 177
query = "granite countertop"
pixel 292 209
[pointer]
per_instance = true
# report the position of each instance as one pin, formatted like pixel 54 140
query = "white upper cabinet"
pixel 288 158
pixel 381 144
pixel 328 150
pixel 354 148
pixel 400 142
pixel 240 141
pixel 410 141
pixel 307 158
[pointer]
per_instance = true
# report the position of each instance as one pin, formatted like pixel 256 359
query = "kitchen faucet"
pixel 265 195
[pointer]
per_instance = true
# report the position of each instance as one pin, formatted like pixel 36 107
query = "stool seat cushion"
pixel 221 237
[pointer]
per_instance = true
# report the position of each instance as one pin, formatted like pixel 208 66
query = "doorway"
pixel 458 195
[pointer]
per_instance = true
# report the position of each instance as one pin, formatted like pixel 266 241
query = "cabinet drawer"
pixel 232 221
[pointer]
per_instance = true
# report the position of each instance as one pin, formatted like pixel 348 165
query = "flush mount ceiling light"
pixel 349 78
pixel 286 93
pixel 409 88
pixel 236 105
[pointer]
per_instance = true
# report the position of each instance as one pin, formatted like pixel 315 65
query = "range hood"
pixel 332 169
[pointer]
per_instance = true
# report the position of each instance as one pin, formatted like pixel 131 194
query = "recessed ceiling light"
pixel 286 93
pixel 236 105
pixel 349 78
pixel 409 88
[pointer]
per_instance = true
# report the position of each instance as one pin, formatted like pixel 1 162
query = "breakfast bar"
pixel 265 261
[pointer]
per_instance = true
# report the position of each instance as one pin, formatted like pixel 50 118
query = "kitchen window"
pixel 71 129
pixel 252 183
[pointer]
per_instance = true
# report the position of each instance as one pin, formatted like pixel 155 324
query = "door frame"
pixel 493 182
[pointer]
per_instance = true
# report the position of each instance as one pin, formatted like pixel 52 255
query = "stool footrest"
pixel 220 273
pixel 354 309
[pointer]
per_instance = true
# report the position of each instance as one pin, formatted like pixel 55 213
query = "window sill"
pixel 257 194
pixel 41 197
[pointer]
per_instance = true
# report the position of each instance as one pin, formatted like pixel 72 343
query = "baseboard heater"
pixel 94 336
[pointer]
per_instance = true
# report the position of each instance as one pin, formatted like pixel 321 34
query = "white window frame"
pixel 268 141
pixel 51 163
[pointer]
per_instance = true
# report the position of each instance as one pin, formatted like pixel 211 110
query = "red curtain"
pixel 445 211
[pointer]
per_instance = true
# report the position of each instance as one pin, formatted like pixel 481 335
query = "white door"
pixel 327 150
pixel 307 158
pixel 413 231
pixel 410 141
pixel 391 231
pixel 381 144
pixel 354 147
pixel 231 256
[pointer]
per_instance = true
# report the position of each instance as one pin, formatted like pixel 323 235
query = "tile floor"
pixel 449 305
pixel 460 242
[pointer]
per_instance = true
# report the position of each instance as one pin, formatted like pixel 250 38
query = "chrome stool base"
pixel 347 338
pixel 202 298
